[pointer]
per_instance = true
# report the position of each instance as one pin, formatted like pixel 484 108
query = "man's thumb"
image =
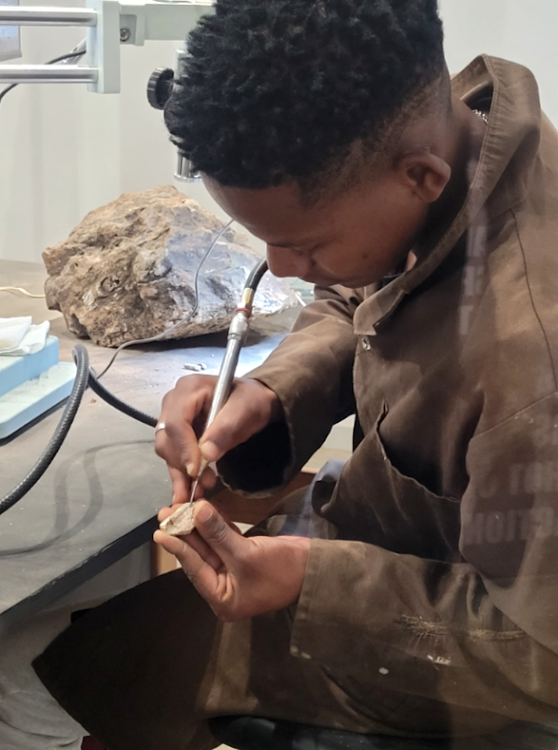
pixel 214 529
pixel 233 425
pixel 210 451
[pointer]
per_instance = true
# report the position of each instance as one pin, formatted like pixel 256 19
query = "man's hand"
pixel 238 577
pixel 250 407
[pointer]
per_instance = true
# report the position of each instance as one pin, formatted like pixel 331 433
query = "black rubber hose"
pixel 80 384
pixel 84 377
pixel 122 406
pixel 255 275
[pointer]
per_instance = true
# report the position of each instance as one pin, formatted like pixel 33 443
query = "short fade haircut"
pixel 277 91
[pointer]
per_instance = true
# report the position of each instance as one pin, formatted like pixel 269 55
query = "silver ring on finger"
pixel 160 426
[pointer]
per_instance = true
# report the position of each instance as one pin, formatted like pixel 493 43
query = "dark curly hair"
pixel 279 90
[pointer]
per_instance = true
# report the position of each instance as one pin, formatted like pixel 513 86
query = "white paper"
pixel 18 336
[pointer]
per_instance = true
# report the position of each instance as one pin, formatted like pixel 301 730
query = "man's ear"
pixel 424 173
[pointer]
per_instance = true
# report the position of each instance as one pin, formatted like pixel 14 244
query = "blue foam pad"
pixel 28 401
pixel 15 371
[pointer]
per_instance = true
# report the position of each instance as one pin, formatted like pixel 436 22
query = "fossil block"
pixel 181 522
pixel 127 271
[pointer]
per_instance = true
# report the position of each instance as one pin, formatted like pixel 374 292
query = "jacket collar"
pixel 500 180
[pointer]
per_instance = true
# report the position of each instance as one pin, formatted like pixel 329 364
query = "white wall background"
pixel 64 151
pixel 525 31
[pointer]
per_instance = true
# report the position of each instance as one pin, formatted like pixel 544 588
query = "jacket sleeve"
pixel 311 372
pixel 481 633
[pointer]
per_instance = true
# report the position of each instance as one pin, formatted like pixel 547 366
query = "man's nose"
pixel 283 261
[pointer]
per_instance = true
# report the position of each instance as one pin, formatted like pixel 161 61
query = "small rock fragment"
pixel 181 522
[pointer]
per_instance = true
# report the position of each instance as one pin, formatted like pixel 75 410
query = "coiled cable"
pixel 122 406
pixel 84 377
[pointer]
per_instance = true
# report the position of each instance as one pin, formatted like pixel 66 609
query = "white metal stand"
pixel 109 24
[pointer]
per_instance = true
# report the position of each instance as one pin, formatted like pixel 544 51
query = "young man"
pixel 426 213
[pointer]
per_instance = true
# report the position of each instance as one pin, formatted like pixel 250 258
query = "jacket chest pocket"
pixel 375 503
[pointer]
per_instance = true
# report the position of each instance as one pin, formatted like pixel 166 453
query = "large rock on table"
pixel 127 271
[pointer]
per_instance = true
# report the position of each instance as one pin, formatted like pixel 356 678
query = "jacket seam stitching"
pixel 533 305
pixel 543 331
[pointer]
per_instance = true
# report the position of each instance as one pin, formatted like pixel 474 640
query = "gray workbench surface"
pixel 98 499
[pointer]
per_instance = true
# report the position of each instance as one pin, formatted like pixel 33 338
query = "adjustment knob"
pixel 159 87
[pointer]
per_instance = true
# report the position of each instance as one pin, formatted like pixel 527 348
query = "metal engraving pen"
pixel 235 339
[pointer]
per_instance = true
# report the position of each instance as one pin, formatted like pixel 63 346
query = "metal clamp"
pixel 109 24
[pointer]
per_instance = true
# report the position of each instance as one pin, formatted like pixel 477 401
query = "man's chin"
pixel 349 283
pixel 323 281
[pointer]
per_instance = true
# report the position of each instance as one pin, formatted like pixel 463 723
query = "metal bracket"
pixel 108 24
pixel 103 46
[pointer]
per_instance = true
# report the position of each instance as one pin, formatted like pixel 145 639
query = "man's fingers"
pixel 217 532
pixel 208 555
pixel 200 573
pixel 180 486
pixel 222 434
pixel 177 444
pixel 207 481
pixel 194 540
pixel 249 408
pixel 164 513
pixel 171 447
pixel 190 457
pixel 235 528
pixel 238 420
pixel 181 411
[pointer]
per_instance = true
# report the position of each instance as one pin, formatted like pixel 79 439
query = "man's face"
pixel 353 239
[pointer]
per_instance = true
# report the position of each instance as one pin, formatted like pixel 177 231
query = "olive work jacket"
pixel 442 580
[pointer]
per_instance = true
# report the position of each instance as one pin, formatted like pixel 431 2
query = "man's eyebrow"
pixel 292 243
pixel 282 244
